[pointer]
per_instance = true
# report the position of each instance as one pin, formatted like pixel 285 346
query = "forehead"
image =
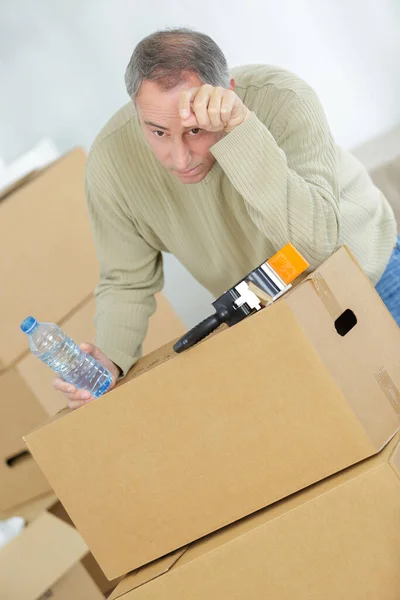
pixel 155 102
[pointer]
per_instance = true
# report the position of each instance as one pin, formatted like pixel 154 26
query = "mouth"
pixel 188 172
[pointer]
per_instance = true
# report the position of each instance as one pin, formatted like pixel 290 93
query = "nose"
pixel 181 155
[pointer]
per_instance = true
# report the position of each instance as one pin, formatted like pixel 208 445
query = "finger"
pixel 227 105
pixel 86 347
pixel 73 404
pixel 184 103
pixel 62 386
pixel 92 350
pixel 214 108
pixel 79 398
pixel 191 121
pixel 200 106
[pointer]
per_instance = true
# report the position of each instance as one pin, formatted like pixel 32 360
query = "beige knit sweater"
pixel 278 177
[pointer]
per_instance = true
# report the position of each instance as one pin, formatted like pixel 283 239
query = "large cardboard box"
pixel 43 562
pixel 339 540
pixel 27 398
pixel 196 441
pixel 50 265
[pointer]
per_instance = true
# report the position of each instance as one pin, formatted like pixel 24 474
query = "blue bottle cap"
pixel 28 324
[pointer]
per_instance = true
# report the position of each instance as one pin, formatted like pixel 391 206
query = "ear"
pixel 232 84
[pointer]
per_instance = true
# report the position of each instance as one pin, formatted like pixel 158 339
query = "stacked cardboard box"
pixel 259 416
pixel 49 269
pixel 44 560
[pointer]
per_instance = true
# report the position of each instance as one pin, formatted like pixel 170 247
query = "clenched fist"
pixel 211 108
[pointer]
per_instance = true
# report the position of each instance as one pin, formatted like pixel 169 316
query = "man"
pixel 221 172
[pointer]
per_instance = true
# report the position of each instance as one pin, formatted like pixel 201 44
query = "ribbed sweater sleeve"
pixel 130 269
pixel 289 184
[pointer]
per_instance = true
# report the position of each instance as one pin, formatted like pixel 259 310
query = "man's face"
pixel 184 152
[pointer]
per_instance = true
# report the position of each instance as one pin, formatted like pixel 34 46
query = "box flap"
pixel 356 338
pixel 148 573
pixel 31 563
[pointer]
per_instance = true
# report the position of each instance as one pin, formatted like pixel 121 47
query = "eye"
pixel 194 131
pixel 159 133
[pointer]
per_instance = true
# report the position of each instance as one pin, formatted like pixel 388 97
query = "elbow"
pixel 323 237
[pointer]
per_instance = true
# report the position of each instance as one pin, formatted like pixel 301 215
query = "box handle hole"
pixel 345 322
pixel 11 461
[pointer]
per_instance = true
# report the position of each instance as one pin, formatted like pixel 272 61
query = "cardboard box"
pixel 88 561
pixel 43 562
pixel 164 326
pixel 49 502
pixel 20 477
pixel 28 398
pixel 196 441
pixel 41 217
pixel 338 540
pixel 51 266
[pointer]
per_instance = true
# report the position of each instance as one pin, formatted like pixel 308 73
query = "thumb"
pixel 87 347
pixel 95 352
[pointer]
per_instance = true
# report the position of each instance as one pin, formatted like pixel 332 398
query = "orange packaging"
pixel 288 263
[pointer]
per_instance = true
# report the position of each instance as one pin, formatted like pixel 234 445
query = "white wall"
pixel 62 65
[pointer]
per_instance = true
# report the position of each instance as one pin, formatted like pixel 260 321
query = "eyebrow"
pixel 156 126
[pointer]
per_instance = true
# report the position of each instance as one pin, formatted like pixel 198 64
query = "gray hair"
pixel 167 56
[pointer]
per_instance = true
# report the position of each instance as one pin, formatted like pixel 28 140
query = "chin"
pixel 192 178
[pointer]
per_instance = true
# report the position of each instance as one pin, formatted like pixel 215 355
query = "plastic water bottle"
pixel 58 351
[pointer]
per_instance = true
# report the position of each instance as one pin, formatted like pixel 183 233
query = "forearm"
pixel 286 204
pixel 131 271
pixel 123 307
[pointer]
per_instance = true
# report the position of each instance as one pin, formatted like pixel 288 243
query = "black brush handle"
pixel 200 331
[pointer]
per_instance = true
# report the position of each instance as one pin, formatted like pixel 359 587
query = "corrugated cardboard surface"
pixel 338 540
pixel 51 265
pixel 88 561
pixel 30 510
pixel 36 559
pixel 76 582
pixel 74 585
pixel 19 412
pixel 27 398
pixel 207 437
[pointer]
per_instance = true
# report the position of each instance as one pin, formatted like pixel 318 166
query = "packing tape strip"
pixel 389 388
pixel 326 295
